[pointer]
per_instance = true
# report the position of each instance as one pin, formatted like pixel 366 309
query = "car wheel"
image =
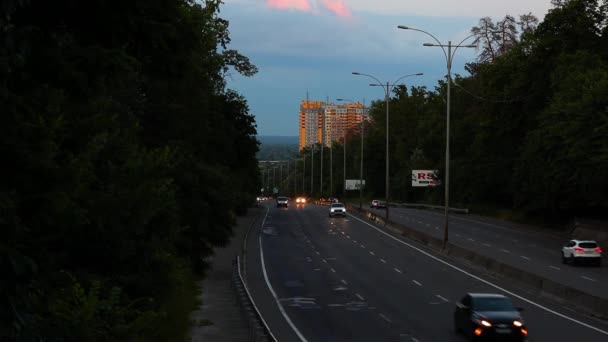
pixel 573 260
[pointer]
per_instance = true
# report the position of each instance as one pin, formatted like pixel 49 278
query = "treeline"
pixel 125 161
pixel 529 126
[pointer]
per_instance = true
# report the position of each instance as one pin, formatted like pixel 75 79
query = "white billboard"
pixel 353 184
pixel 422 178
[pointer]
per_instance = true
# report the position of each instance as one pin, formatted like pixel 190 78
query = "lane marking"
pixel 372 253
pixel 383 261
pixel 524 257
pixel 318 253
pixel 504 250
pixel 385 318
pixel 555 268
pixel 274 294
pixel 471 240
pixel 344 282
pixel 483 280
pixel 355 241
pixel 325 261
pixel 397 270
pixel 487 244
pixel 362 246
pixel 348 236
pixel 590 279
pixel 415 339
pixel 442 298
pixel 333 270
pixel 417 283
pixel 359 296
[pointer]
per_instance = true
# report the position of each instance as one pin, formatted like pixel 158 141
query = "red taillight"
pixel 598 250
pixel 578 250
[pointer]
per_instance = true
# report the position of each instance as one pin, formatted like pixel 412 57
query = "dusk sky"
pixel 315 45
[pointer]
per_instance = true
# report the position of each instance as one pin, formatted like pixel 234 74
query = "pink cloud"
pixel 337 7
pixel 302 5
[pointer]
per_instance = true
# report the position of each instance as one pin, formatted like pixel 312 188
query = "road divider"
pixel 588 303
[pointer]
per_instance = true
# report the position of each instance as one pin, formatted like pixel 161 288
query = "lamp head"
pixel 356 73
pixel 403 27
pixel 428 44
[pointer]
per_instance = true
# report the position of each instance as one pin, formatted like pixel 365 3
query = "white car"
pixel 337 209
pixel 582 251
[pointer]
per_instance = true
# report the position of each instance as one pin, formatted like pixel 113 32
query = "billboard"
pixel 422 178
pixel 353 184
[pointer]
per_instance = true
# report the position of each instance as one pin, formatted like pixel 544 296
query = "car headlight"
pixel 518 323
pixel 485 323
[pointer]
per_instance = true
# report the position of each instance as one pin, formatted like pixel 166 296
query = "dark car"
pixel 282 202
pixel 377 204
pixel 489 317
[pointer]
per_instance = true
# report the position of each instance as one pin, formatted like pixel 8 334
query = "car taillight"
pixel 578 250
pixel 598 250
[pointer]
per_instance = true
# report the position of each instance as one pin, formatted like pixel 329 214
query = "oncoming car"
pixel 489 317
pixel 300 200
pixel 282 202
pixel 337 209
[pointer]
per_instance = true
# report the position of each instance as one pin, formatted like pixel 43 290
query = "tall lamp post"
pixel 361 161
pixel 387 92
pixel 449 57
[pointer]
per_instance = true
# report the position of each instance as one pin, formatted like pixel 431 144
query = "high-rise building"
pixel 338 118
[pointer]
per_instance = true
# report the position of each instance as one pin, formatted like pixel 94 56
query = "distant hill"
pixel 278 139
pixel 277 147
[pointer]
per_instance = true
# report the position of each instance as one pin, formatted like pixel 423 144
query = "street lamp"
pixel 361 161
pixel 449 57
pixel 387 93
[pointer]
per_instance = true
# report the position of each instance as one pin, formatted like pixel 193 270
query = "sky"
pixel 312 47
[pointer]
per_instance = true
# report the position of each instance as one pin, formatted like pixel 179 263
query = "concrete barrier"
pixel 592 305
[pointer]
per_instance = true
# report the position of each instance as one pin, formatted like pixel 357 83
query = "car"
pixel 488 316
pixel 337 209
pixel 377 204
pixel 300 200
pixel 282 202
pixel 579 251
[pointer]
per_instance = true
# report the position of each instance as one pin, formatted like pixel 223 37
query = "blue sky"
pixel 314 45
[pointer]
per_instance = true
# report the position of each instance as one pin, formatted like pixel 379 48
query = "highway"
pixel 316 278
pixel 509 243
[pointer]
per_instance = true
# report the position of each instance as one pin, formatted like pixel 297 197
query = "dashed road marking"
pixel 555 268
pixel 333 270
pixel 362 246
pixel 397 270
pixel 318 253
pixel 354 241
pixel 385 318
pixel 344 282
pixel 359 296
pixel 590 279
pixel 471 240
pixel 524 257
pixel 417 283
pixel 383 261
pixel 487 244
pixel 442 298
pixel 504 250
pixel 325 261
pixel 372 253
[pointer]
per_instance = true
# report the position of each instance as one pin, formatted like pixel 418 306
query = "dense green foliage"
pixel 126 159
pixel 529 129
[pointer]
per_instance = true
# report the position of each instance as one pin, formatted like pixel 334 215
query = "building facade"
pixel 322 122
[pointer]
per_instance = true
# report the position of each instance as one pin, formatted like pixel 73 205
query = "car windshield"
pixel 492 304
pixel 282 199
pixel 587 244
pixel 337 205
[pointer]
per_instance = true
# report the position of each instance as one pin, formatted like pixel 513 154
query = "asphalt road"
pixel 342 279
pixel 509 243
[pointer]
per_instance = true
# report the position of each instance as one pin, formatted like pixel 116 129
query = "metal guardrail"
pixel 428 206
pixel 258 328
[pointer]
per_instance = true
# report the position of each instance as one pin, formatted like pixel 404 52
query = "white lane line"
pixel 344 282
pixel 415 339
pixel 318 253
pixel 471 240
pixel 372 253
pixel 362 246
pixel 555 268
pixel 359 296
pixel 483 280
pixel 355 241
pixel 442 298
pixel 348 236
pixel 274 294
pixel 504 250
pixel 385 318
pixel 590 279
pixel 325 261
pixel 383 261
pixel 333 270
pixel 487 244
pixel 417 283
pixel 524 257
pixel 343 233
pixel 397 270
